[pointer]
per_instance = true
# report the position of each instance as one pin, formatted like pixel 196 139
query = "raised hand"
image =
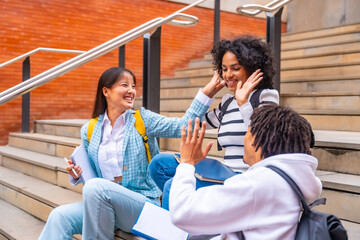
pixel 214 86
pixel 190 148
pixel 243 91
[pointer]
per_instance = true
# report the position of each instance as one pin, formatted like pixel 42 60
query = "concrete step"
pixel 62 127
pixel 321 41
pixel 333 120
pixel 326 32
pixel 50 169
pixel 322 61
pixel 186 81
pixel 32 195
pixel 47 144
pixel 353 229
pixel 322 100
pixel 181 105
pixel 38 198
pixel 18 224
pixel 317 51
pixel 342 193
pixel 186 93
pixel 334 85
pixel 339 72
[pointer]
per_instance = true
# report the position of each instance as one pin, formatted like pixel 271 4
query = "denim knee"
pixel 93 187
pixel 155 165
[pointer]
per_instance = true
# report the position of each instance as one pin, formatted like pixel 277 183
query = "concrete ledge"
pixel 63 122
pixel 338 181
pixel 17 224
pixel 73 142
pixel 337 139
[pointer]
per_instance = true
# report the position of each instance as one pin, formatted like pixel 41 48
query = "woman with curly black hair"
pixel 246 67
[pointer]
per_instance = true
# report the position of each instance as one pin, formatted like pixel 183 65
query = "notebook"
pixel 211 170
pixel 154 223
pixel 80 157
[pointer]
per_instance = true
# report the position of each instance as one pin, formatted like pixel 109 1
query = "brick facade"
pixel 82 25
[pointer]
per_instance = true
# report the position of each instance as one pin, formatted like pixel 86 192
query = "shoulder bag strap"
pixel 91 127
pixel 223 109
pixel 255 98
pixel 140 127
pixel 292 184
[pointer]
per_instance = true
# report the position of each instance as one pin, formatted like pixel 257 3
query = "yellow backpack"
pixel 139 125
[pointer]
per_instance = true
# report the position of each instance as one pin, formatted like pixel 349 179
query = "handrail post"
pixel 25 105
pixel 151 74
pixel 273 37
pixel 122 56
pixel 217 21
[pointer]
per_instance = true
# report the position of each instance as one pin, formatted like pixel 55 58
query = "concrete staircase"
pixel 33 179
pixel 320 79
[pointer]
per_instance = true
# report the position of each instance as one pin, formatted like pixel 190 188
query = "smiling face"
pixel 121 96
pixel 232 71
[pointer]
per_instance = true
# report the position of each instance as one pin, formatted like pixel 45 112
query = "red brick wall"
pixel 82 25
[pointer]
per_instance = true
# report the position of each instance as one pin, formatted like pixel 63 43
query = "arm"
pixel 216 209
pixel 161 126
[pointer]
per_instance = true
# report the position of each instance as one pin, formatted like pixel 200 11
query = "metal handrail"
pixel 32 52
pixel 270 7
pixel 61 69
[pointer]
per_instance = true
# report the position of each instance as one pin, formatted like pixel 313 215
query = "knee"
pixel 157 163
pixel 93 187
pixel 57 215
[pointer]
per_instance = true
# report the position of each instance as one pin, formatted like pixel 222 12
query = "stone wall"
pixel 306 15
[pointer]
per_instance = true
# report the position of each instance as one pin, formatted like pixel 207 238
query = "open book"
pixel 154 223
pixel 80 157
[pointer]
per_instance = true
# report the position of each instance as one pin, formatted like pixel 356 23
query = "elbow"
pixel 178 218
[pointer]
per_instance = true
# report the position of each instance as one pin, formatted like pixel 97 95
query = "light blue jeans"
pixel 106 206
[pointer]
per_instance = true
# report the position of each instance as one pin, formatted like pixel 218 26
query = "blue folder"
pixel 211 170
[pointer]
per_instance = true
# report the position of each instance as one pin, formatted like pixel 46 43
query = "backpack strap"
pixel 296 189
pixel 223 109
pixel 91 127
pixel 255 98
pixel 140 127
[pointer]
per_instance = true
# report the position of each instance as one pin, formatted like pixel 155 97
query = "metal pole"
pixel 146 41
pixel 217 22
pixel 122 56
pixel 273 37
pixel 151 84
pixel 25 108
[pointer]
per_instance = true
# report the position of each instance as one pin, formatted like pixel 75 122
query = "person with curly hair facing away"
pixel 246 66
pixel 258 204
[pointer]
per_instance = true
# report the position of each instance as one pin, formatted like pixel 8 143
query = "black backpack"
pixel 314 225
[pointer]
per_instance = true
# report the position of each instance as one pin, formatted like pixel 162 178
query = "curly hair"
pixel 251 53
pixel 280 130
